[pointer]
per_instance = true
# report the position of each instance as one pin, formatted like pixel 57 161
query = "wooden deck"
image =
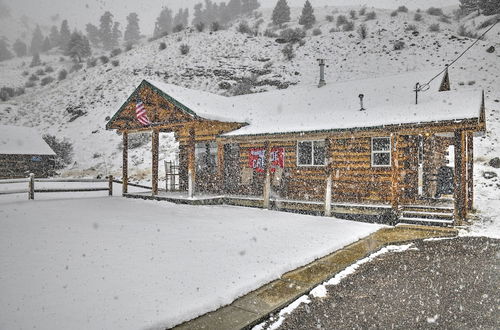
pixel 287 205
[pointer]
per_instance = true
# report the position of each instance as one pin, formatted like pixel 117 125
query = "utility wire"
pixel 424 87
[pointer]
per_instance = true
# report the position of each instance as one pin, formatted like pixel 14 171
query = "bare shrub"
pixel 46 80
pixel 363 31
pixel 184 49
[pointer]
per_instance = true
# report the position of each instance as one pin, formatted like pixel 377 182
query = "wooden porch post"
pixel 125 164
pixel 460 191
pixel 220 163
pixel 191 162
pixel 267 181
pixel 395 172
pixel 154 169
pixel 328 189
pixel 470 171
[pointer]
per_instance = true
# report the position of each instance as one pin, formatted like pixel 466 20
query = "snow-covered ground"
pixel 114 263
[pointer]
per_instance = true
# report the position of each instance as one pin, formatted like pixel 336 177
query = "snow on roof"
pixel 17 140
pixel 387 100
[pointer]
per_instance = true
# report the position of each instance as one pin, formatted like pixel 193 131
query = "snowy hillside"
pixel 77 108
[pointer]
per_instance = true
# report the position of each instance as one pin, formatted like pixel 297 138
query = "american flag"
pixel 140 113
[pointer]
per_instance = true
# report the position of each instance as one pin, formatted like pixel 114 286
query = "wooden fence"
pixel 31 186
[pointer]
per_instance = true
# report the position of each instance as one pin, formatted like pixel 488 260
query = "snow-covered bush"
pixel 29 84
pixel 402 9
pixel 33 77
pixel 244 28
pixel 6 93
pixel 316 32
pixel 435 11
pixel 40 72
pixel 370 16
pixel 162 46
pixel 215 27
pixel 63 149
pixel 104 59
pixel 349 26
pixel 352 14
pixel 362 11
pixel 49 69
pixel 46 80
pixel 36 60
pixel 341 20
pixel 62 75
pixel 463 32
pixel 115 62
pixel 445 19
pixel 398 45
pixel 200 26
pixel 288 52
pixel 330 18
pixel 178 28
pixel 292 35
pixel 394 13
pixel 76 67
pixel 116 52
pixel 411 27
pixel 270 34
pixel 434 27
pixel 91 62
pixel 417 17
pixel 184 49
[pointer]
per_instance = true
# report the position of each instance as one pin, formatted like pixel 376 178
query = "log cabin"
pixel 23 151
pixel 358 148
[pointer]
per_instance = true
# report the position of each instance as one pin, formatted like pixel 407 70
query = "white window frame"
pixel 381 152
pixel 312 154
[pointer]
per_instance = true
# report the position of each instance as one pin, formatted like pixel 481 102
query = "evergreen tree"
pixel 468 6
pixel 198 14
pixel 64 35
pixel 35 61
pixel 307 18
pixel 36 41
pixel 163 23
pixel 247 6
pixel 54 36
pixel 46 46
pixel 210 12
pixel 105 30
pixel 20 48
pixel 78 47
pixel 132 31
pixel 5 53
pixel 93 34
pixel 224 16
pixel 234 8
pixel 281 13
pixel 489 7
pixel 178 18
pixel 185 17
pixel 116 35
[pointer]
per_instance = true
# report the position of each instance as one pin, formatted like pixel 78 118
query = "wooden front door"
pixel 231 168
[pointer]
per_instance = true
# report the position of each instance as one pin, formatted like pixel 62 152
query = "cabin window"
pixel 381 151
pixel 311 153
pixel 206 157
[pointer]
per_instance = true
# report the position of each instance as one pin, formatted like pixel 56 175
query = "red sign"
pixel 257 159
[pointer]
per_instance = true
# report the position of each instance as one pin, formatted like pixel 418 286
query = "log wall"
pixel 19 166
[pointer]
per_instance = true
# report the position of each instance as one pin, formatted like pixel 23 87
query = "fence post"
pixel 110 178
pixel 31 187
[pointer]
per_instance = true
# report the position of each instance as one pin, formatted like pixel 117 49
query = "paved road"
pixel 451 284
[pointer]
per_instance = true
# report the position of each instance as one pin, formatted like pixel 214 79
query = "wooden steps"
pixel 427 215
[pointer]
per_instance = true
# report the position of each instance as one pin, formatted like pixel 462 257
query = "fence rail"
pixel 133 184
pixel 31 190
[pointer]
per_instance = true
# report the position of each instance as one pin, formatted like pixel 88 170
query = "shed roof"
pixel 18 140
pixel 387 100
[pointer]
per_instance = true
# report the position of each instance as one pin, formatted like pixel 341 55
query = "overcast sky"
pixel 79 12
